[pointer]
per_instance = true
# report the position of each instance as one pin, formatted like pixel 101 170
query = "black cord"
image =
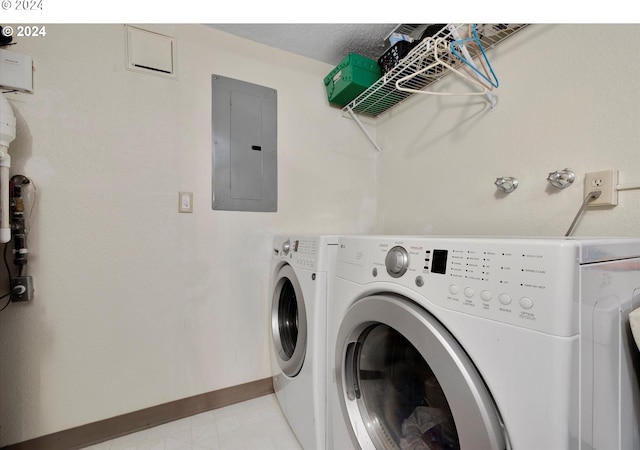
pixel 6 263
pixel 8 294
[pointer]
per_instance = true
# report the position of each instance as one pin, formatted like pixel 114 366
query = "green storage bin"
pixel 350 78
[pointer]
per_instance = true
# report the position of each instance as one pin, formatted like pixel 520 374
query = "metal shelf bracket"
pixel 357 120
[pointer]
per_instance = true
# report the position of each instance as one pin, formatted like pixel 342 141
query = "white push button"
pixel 453 289
pixel 505 299
pixel 468 292
pixel 485 295
pixel 526 303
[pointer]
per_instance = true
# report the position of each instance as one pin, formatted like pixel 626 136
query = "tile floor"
pixel 256 424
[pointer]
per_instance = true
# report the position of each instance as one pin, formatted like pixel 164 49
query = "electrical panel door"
pixel 244 148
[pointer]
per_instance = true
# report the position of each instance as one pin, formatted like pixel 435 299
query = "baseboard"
pixel 104 430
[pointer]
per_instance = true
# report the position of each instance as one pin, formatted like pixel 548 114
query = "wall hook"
pixel 561 178
pixel 506 184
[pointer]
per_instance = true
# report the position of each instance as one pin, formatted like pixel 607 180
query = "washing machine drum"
pixel 289 322
pixel 407 383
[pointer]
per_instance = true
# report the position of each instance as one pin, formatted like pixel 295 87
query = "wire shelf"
pixel 383 95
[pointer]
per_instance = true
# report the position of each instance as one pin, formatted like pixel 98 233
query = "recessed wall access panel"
pixel 150 52
pixel 244 149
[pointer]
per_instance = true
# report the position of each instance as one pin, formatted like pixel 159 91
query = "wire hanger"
pixel 417 73
pixel 439 44
pixel 487 73
pixel 474 73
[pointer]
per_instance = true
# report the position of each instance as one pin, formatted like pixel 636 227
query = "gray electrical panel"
pixel 244 149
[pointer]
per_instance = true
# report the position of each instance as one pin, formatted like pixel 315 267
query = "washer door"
pixel 404 382
pixel 289 322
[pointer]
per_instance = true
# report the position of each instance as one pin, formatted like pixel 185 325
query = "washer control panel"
pixel 525 282
pixel 299 251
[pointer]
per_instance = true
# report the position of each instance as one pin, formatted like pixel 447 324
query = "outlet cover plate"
pixel 605 181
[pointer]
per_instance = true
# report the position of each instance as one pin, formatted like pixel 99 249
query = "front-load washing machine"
pixel 484 343
pixel 302 270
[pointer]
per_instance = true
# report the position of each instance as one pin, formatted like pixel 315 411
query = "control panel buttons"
pixel 526 303
pixel 485 295
pixel 453 289
pixel 305 262
pixel 419 281
pixel 468 292
pixel 505 299
pixel 286 246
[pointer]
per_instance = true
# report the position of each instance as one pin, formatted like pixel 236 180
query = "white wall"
pixel 569 96
pixel 138 305
pixel 135 304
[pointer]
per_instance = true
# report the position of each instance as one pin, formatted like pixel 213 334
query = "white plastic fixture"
pixel 7 135
pixel 16 71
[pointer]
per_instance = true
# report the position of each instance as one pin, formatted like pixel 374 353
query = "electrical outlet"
pixel 21 289
pixel 605 182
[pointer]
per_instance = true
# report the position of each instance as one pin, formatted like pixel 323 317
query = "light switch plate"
pixel 185 202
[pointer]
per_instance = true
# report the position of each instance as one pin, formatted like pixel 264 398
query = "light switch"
pixel 185 202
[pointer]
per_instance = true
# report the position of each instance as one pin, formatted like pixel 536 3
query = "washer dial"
pixel 397 261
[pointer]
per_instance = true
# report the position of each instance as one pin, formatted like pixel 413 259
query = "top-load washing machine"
pixel 483 343
pixel 302 270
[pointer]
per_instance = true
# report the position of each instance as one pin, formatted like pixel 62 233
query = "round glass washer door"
pixel 289 322
pixel 407 383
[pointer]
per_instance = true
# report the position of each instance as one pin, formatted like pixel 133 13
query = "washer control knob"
pixel 397 261
pixel 286 246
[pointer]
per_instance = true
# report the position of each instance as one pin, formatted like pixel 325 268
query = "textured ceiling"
pixel 328 43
